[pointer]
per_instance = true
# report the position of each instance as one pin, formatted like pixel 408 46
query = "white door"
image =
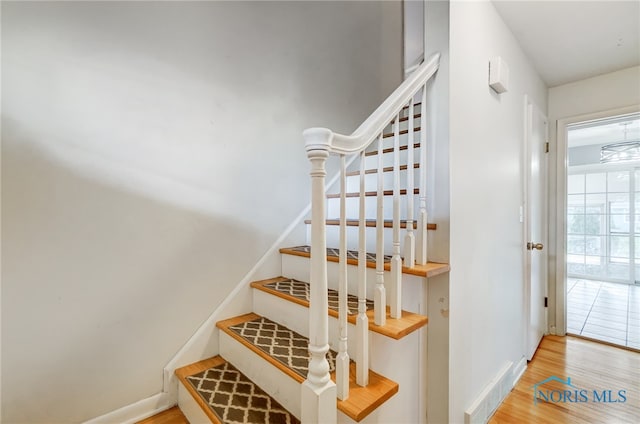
pixel 535 226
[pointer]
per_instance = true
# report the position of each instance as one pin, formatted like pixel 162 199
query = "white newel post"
pixel 318 391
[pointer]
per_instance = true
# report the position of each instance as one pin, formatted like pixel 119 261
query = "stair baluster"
pixel 422 214
pixel 318 393
pixel 396 260
pixel 410 239
pixel 342 361
pixel 380 296
pixel 362 322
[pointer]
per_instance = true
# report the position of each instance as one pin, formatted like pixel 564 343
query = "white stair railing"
pixel 319 392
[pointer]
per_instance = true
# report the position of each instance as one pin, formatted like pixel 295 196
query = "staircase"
pixel 321 344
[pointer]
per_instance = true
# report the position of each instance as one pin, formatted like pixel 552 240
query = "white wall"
pixel 437 40
pixel 151 153
pixel 413 26
pixel 486 148
pixel 603 93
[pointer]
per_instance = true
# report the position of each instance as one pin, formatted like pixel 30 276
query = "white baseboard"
pixel 136 411
pixel 491 397
pixel 519 370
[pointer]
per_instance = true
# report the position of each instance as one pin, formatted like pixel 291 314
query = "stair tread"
pixel 406 118
pixel 371 193
pixel 288 351
pixel 298 292
pixel 401 132
pixel 388 223
pixel 385 169
pixel 227 395
pixel 390 149
pixel 430 269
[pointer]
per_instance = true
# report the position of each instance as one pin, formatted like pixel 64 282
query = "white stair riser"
pixel 381 348
pixel 370 204
pixel 296 318
pixel 297 267
pixel 371 181
pixel 333 238
pixel 190 407
pixel 387 142
pixel 371 162
pixel 277 384
pixel 403 124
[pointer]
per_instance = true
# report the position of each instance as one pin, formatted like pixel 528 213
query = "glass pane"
pixel 575 224
pixel 618 182
pixel 596 183
pixel 575 200
pixel 619 223
pixel 575 184
pixel 575 269
pixel 594 270
pixel 575 259
pixel 575 245
pixel 575 209
pixel 594 224
pixel 637 252
pixel 619 203
pixel 596 203
pixel 619 246
pixel 594 245
pixel 618 271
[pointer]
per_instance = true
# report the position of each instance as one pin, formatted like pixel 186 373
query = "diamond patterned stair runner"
pixel 300 290
pixel 286 346
pixel 332 251
pixel 235 399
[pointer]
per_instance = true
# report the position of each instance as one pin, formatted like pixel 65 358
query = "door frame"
pixel 529 108
pixel 560 293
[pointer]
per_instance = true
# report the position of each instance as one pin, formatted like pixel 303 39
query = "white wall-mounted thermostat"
pixel 498 75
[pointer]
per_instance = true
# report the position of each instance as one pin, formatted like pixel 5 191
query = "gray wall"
pixel 151 153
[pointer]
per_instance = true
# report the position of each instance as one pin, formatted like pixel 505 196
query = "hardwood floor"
pixel 170 416
pixel 591 367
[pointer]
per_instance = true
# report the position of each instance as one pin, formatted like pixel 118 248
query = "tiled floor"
pixel 605 311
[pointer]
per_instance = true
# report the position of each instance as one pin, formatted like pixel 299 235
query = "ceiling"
pixel 573 40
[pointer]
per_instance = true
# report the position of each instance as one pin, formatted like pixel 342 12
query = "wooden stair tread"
pixel 385 169
pixel 394 328
pixel 406 118
pixel 401 132
pixel 202 372
pixel 390 149
pixel 430 269
pixel 361 401
pixel 388 223
pixel 371 193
